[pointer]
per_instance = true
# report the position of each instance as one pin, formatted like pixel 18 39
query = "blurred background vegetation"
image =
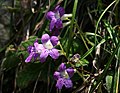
pixel 95 35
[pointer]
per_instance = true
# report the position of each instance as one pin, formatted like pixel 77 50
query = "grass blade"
pixel 106 68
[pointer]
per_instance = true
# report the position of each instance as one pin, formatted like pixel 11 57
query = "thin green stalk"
pixel 81 35
pixel 117 73
pixel 71 27
pixel 87 53
pixel 112 33
pixel 36 82
pixel 65 3
pixel 62 49
pixel 65 35
pixel 81 75
pixel 100 19
pixel 117 12
pixel 91 49
pixel 49 69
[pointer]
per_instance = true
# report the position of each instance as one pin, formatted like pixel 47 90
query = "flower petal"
pixel 30 48
pixel 61 11
pixel 60 83
pixel 56 8
pixel 28 59
pixel 39 48
pixel 52 23
pixel 68 83
pixel 54 53
pixel 50 15
pixel 70 71
pixel 59 24
pixel 35 56
pixel 43 55
pixel 45 38
pixel 62 67
pixel 36 43
pixel 56 75
pixel 54 40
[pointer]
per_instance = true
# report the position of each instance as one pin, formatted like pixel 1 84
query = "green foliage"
pixel 11 60
pixel 109 82
pixel 32 71
pixel 28 74
pixel 30 41
pixel 82 62
pixel 93 33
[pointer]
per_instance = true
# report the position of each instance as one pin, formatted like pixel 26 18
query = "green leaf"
pixel 28 74
pixel 106 68
pixel 82 62
pixel 71 27
pixel 116 74
pixel 109 82
pixel 11 59
pixel 31 72
pixel 22 49
pixel 30 41
pixel 10 62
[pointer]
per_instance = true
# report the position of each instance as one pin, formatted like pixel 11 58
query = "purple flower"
pixel 63 76
pixel 34 51
pixel 44 49
pixel 49 43
pixel 55 17
pixel 75 58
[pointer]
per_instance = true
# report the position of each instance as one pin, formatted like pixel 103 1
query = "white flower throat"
pixel 48 45
pixel 57 15
pixel 65 74
pixel 39 51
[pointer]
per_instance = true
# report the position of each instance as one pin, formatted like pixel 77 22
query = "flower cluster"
pixel 63 76
pixel 47 48
pixel 55 17
pixel 44 49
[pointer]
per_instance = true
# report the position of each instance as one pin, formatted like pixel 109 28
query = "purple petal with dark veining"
pixel 45 38
pixel 54 53
pixel 39 48
pixel 35 56
pixel 44 55
pixel 61 11
pixel 56 75
pixel 70 72
pixel 59 24
pixel 56 8
pixel 30 48
pixel 54 40
pixel 52 23
pixel 68 83
pixel 50 15
pixel 62 67
pixel 28 59
pixel 36 43
pixel 60 83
